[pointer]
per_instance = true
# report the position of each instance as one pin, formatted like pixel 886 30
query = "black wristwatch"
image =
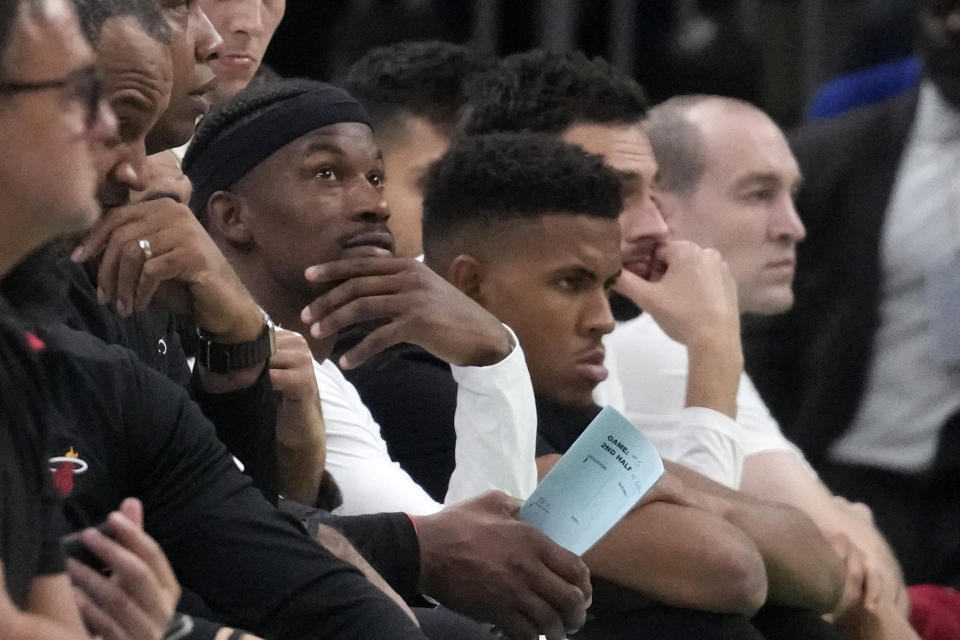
pixel 223 358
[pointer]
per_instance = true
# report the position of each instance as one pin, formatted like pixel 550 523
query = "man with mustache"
pixel 150 259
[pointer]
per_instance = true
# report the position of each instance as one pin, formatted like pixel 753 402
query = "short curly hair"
pixel 488 180
pixel 420 78
pixel 543 91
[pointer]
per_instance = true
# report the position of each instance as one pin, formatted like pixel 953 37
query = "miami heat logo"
pixel 64 468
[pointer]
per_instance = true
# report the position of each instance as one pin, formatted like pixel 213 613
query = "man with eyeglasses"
pixel 49 108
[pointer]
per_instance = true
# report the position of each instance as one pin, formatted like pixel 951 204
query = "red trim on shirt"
pixel 35 343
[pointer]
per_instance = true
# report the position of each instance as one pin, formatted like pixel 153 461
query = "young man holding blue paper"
pixel 505 222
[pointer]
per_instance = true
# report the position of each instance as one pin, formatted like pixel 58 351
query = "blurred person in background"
pixel 863 373
pixel 247 27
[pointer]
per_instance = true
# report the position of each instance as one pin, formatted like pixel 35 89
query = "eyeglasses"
pixel 84 85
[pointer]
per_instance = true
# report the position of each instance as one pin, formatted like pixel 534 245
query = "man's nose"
pixel 206 38
pixel 786 223
pixel 597 316
pixel 368 202
pixel 247 17
pixel 105 125
pixel 644 220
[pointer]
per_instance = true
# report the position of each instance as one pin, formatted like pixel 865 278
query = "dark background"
pixel 775 53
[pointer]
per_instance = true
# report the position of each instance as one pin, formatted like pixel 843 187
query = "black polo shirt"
pixel 29 524
pixel 135 433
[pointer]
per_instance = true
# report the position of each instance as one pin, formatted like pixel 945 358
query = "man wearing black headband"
pixel 288 180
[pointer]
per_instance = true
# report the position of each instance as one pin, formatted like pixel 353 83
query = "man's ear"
pixel 228 217
pixel 467 274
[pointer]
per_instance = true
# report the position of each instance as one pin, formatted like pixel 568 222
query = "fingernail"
pixel 121 308
pixel 312 273
pixel 102 296
pixel 77 254
pixel 306 316
pixel 343 362
pixel 315 330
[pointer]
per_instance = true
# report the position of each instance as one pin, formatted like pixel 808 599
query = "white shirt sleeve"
pixel 496 425
pixel 653 369
pixel 357 456
pixel 760 432
pixel 652 372
pixel 697 438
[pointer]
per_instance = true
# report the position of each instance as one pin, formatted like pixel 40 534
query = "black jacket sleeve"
pixel 246 422
pixel 388 541
pixel 251 564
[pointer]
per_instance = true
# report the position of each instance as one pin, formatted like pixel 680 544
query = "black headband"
pixel 235 153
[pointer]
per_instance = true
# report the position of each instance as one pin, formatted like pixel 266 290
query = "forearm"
pixel 300 472
pixel 388 541
pixel 339 546
pixel 781 476
pixel 715 366
pixel 802 569
pixel 245 421
pixel 301 450
pixel 683 557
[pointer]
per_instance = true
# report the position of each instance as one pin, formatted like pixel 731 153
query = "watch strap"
pixel 223 358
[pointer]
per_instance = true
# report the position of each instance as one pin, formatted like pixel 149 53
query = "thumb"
pixel 639 291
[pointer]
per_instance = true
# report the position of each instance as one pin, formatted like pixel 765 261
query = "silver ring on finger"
pixel 144 245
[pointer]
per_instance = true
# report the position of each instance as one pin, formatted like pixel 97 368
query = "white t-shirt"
pixel 652 370
pixel 495 423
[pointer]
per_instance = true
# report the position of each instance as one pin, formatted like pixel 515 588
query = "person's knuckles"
pixel 572 607
pixel 114 600
pixel 131 251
